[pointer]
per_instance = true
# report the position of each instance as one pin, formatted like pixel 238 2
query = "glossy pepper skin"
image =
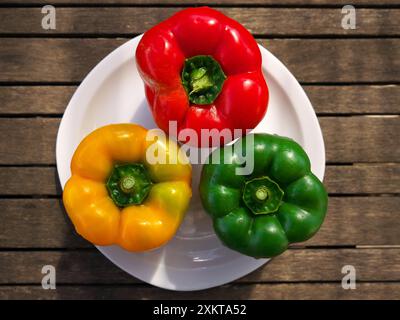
pixel 180 61
pixel 145 217
pixel 279 203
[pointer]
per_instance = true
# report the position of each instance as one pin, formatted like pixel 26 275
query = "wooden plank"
pixel 361 139
pixel 338 60
pixel 22 181
pixel 260 21
pixel 355 179
pixel 354 99
pixel 35 99
pixel 349 221
pixel 91 267
pixel 311 60
pixel 361 178
pixel 61 60
pixel 28 140
pixel 347 139
pixel 211 3
pixel 40 223
pixel 292 291
pixel 360 221
pixel 44 100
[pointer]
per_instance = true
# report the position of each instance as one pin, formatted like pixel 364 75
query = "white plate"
pixel 195 259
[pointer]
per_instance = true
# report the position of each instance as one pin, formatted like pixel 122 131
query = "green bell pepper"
pixel 261 213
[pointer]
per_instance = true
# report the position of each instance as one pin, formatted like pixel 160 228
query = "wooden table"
pixel 351 76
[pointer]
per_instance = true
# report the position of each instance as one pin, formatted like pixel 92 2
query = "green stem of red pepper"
pixel 128 184
pixel 202 78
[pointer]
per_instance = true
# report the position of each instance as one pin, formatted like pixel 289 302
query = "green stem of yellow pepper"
pixel 129 184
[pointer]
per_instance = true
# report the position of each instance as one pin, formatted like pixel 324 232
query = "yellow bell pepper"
pixel 118 194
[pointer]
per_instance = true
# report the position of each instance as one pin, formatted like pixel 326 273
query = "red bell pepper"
pixel 202 70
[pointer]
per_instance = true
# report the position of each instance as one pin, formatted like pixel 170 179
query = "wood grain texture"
pixel 326 100
pixel 28 140
pixel 311 60
pixel 361 139
pixel 347 75
pixel 38 100
pixel 270 291
pixel 338 60
pixel 208 2
pixel 347 139
pixel 52 60
pixel 349 221
pixel 20 181
pixel 354 99
pixel 360 221
pixel 260 21
pixel 365 179
pixel 91 267
pixel 37 223
pixel 349 179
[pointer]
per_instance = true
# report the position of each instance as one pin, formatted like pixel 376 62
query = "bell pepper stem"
pixel 202 78
pixel 262 195
pixel 129 184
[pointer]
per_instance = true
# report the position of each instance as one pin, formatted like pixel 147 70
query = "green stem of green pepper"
pixel 262 195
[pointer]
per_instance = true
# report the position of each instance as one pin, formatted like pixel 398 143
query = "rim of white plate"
pixel 304 111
